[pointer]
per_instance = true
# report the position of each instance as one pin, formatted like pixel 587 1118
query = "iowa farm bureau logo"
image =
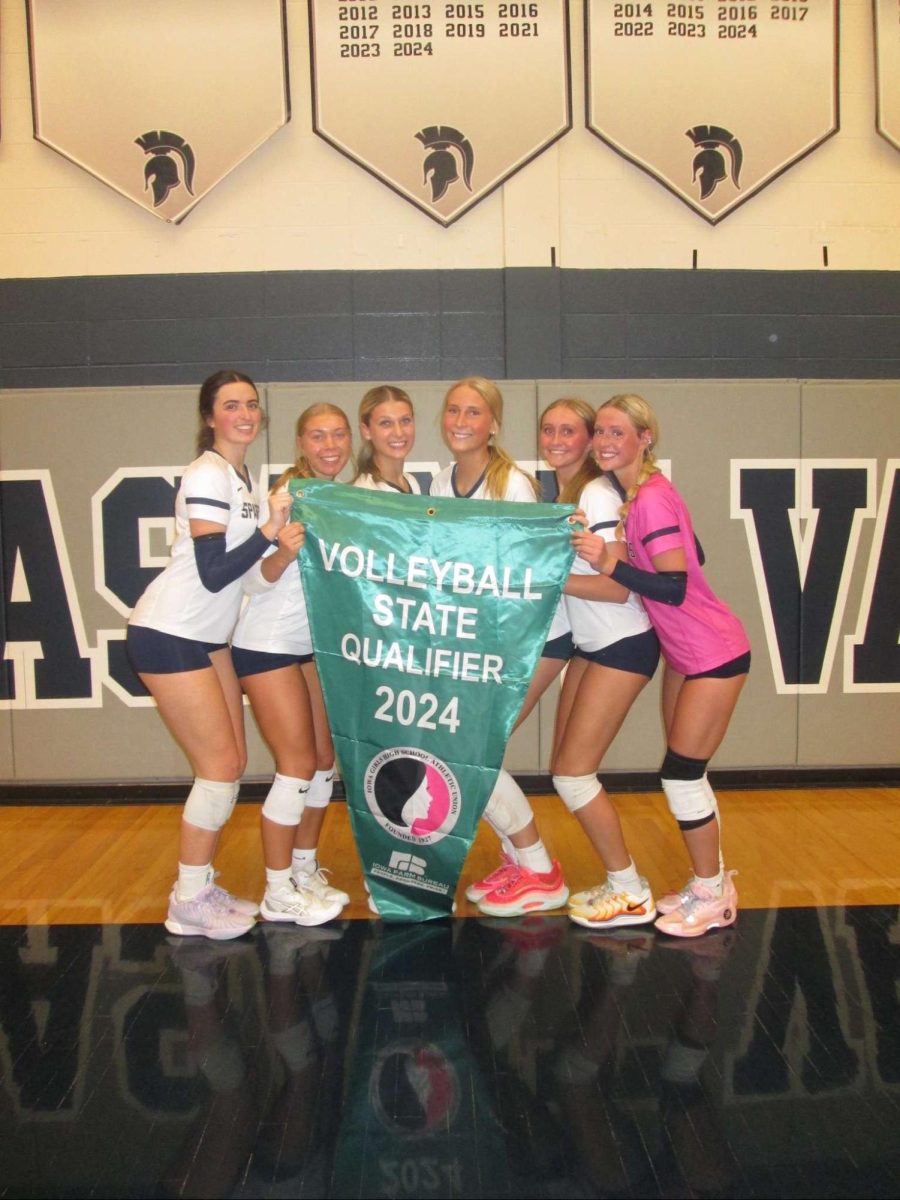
pixel 412 795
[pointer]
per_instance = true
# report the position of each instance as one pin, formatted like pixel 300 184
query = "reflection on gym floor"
pixel 466 1058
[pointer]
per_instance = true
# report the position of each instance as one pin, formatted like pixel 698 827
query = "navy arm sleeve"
pixel 666 587
pixel 217 567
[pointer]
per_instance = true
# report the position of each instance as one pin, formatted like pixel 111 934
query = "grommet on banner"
pixel 431 512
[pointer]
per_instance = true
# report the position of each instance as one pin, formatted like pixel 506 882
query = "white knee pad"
pixel 285 800
pixel 576 790
pixel 320 789
pixel 689 800
pixel 507 809
pixel 210 803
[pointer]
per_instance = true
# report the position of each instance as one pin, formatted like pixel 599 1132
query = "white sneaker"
pixel 317 881
pixel 298 904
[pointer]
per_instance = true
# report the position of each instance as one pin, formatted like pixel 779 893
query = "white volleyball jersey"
pixel 380 485
pixel 176 601
pixel 518 487
pixel 598 623
pixel 274 618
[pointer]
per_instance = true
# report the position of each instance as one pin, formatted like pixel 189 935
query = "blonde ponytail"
pixel 643 418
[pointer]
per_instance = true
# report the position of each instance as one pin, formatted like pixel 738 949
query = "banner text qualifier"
pixel 434 619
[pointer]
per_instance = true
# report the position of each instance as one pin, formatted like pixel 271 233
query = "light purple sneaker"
pixel 208 914
pixel 247 908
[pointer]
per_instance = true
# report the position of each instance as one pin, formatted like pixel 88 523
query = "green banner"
pixel 428 617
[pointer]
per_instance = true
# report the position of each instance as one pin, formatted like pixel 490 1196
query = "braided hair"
pixel 643 418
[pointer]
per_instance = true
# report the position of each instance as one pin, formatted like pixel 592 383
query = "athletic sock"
pixel 277 880
pixel 509 849
pixel 626 880
pixel 303 862
pixel 192 880
pixel 534 858
pixel 715 883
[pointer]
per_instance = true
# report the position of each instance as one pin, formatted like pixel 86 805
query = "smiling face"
pixel 325 443
pixel 236 419
pixel 565 440
pixel 619 445
pixel 467 423
pixel 391 429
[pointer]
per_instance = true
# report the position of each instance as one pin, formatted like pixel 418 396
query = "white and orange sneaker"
pixel 477 891
pixel 524 891
pixel 701 910
pixel 604 907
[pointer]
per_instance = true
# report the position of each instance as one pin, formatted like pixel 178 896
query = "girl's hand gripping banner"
pixel 428 618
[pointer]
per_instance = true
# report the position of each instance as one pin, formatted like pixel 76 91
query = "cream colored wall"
pixel 297 204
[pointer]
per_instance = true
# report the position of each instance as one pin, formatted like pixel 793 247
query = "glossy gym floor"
pixel 470 1057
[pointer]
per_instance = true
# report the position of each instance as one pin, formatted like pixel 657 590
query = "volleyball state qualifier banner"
pixel 428 618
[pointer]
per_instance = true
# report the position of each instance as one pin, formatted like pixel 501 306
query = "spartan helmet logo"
pixel 161 172
pixel 442 164
pixel 709 164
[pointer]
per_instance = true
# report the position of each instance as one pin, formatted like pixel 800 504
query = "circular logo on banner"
pixel 412 794
pixel 414 1088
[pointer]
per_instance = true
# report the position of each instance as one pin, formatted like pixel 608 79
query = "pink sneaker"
pixel 671 900
pixel 525 891
pixel 701 910
pixel 477 891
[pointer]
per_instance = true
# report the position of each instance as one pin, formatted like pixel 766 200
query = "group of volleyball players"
pixel 227 617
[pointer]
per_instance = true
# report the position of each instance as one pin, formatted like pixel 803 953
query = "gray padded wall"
pixel 82 437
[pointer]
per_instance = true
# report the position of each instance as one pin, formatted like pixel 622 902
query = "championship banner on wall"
pixel 442 102
pixel 159 101
pixel 428 618
pixel 887 70
pixel 713 100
